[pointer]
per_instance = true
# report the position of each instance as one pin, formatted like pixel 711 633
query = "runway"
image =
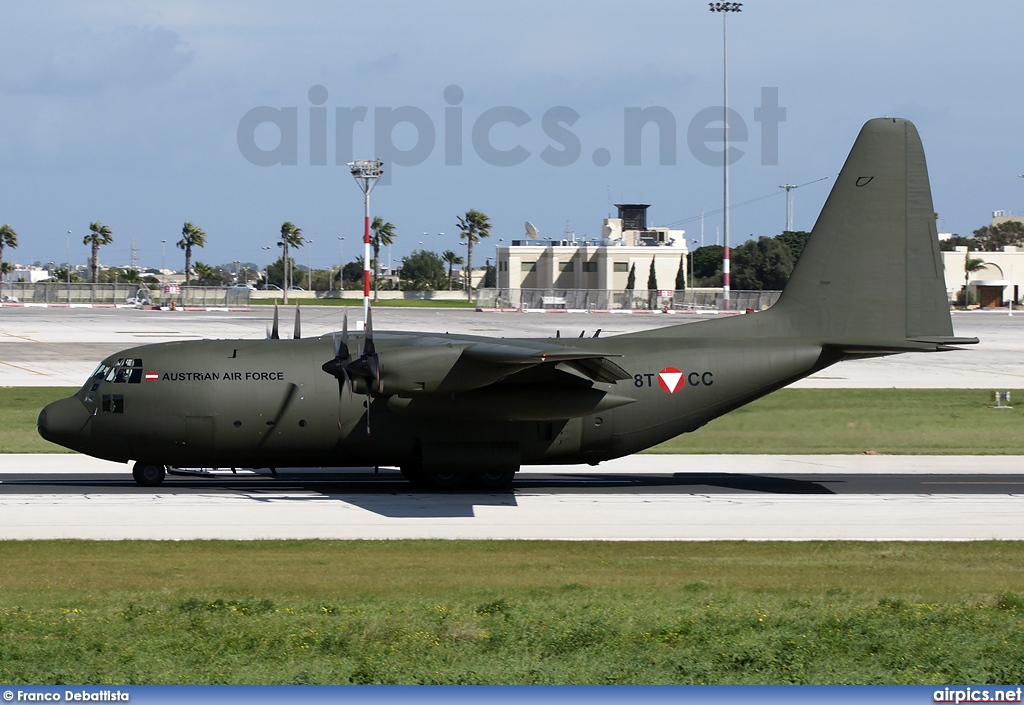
pixel 645 497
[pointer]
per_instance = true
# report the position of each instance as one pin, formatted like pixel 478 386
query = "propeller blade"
pixel 343 382
pixel 341 390
pixel 368 401
pixel 273 331
pixel 368 348
pixel 297 333
pixel 344 334
pixel 285 403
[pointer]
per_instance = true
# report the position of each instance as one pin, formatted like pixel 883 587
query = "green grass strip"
pixel 790 421
pixel 511 612
pixel 21 407
pixel 887 421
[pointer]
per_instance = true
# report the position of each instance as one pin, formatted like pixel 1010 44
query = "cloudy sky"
pixel 135 114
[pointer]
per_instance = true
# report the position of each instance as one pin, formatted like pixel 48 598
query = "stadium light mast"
pixel 725 8
pixel 789 206
pixel 366 172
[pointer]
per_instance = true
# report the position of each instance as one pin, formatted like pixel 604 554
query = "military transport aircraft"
pixel 452 408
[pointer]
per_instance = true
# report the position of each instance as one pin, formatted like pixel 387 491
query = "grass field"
pixel 511 612
pixel 358 303
pixel 916 421
pixel 19 408
pixel 887 421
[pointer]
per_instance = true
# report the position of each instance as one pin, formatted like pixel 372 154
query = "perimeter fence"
pixel 123 294
pixel 625 299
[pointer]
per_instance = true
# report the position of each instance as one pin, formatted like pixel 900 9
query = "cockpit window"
pixel 128 370
pixel 125 374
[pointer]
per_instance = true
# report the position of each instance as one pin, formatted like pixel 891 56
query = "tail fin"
pixel 871 276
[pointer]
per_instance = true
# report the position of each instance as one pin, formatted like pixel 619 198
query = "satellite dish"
pixel 531 230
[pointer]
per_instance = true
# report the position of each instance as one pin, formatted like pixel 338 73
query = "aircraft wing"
pixel 595 366
pixel 452 366
pixel 520 380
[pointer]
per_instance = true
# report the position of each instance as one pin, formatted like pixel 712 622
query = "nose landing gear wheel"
pixel 149 474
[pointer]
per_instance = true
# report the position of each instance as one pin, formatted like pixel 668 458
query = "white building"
pixel 1000 281
pixel 28 274
pixel 626 242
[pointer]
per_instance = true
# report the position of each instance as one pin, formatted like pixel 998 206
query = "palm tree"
pixel 451 259
pixel 971 265
pixel 472 227
pixel 8 238
pixel 99 235
pixel 191 236
pixel 291 236
pixel 383 234
pixel 204 271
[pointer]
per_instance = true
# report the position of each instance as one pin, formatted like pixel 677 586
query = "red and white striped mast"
pixel 366 172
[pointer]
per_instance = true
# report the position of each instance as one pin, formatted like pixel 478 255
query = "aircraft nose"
pixel 62 422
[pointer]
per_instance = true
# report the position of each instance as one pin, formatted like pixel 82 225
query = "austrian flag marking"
pixel 152 376
pixel 671 379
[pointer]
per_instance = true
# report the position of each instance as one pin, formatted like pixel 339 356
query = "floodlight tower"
pixel 789 206
pixel 366 172
pixel 725 8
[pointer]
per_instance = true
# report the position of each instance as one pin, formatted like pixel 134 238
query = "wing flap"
pixel 595 366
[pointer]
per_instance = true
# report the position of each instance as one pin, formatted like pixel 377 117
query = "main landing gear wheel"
pixel 445 479
pixel 149 474
pixel 497 479
pixel 414 475
pixel 433 479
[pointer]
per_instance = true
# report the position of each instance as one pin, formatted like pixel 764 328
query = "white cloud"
pixel 88 62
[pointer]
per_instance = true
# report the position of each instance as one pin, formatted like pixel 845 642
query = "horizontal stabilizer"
pixel 893 347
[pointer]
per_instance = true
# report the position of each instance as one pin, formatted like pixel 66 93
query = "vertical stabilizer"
pixel 871 273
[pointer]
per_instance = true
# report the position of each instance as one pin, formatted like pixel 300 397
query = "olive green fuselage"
pixel 268 403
